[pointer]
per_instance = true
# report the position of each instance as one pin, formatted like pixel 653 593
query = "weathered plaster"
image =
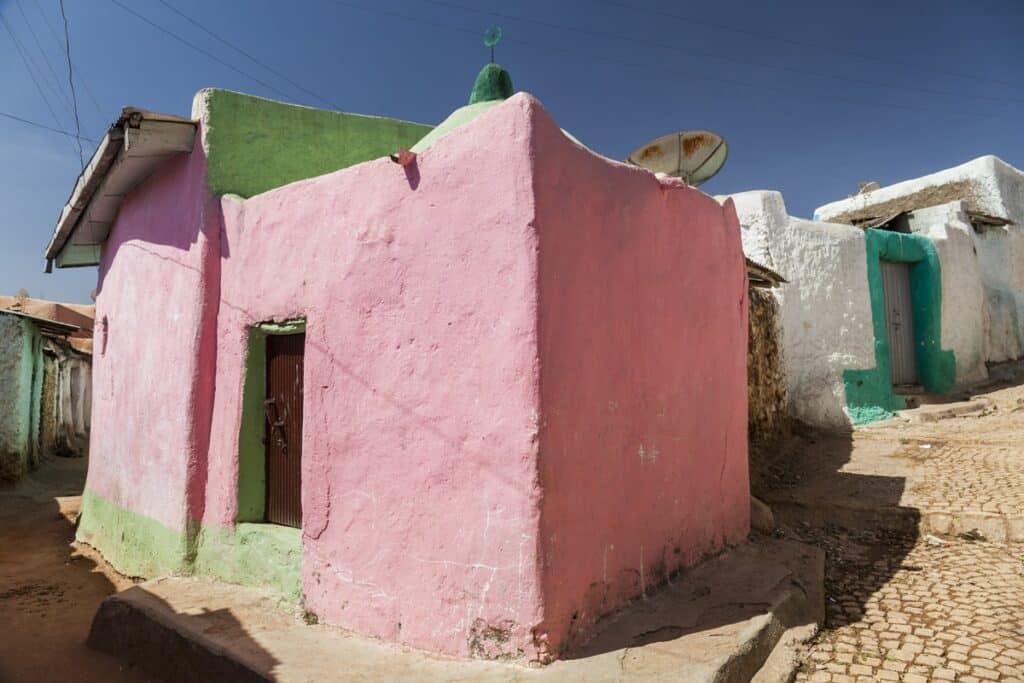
pixel 253 144
pixel 643 393
pixel 992 186
pixel 766 377
pixel 446 384
pixel 965 324
pixel 21 381
pixel 261 555
pixel 825 307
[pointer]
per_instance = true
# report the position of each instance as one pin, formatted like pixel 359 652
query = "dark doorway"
pixel 283 429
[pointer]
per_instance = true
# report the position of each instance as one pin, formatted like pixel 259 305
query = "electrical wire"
pixel 711 55
pixel 43 126
pixel 803 43
pixel 84 83
pixel 198 49
pixel 245 54
pixel 46 59
pixel 35 81
pixel 771 90
pixel 71 82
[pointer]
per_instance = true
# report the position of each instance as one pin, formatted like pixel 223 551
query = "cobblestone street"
pixel 930 587
pixel 953 612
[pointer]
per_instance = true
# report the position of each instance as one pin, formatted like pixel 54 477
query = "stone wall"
pixel 766 379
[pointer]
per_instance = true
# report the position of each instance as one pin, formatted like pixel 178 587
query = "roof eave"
pixel 133 147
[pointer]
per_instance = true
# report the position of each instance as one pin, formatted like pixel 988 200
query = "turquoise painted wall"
pixel 869 394
pixel 21 369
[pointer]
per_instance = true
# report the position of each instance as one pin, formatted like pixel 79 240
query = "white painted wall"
pixel 825 308
pixel 964 319
pixel 997 188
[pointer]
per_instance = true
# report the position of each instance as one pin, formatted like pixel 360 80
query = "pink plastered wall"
pixel 418 286
pixel 524 379
pixel 151 356
pixel 643 446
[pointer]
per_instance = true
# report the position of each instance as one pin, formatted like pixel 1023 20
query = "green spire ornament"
pixel 492 36
pixel 493 82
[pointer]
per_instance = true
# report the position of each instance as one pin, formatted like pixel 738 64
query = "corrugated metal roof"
pixel 44 324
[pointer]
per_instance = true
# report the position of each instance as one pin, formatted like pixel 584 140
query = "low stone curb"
pixel 742 616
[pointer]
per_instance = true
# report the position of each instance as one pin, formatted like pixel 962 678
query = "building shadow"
pixel 844 496
pixel 52 593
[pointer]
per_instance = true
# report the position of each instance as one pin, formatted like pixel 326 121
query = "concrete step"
pixel 934 412
pixel 739 616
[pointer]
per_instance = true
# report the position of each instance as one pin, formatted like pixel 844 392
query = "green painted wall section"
pixel 264 556
pixel 251 469
pixel 455 120
pixel 134 544
pixel 21 383
pixel 254 145
pixel 869 394
pixel 268 556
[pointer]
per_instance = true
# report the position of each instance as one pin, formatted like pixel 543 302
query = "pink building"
pixel 470 404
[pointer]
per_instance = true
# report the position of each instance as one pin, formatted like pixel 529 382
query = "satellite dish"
pixel 693 155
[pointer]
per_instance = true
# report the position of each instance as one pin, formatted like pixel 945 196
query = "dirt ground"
pixel 50 588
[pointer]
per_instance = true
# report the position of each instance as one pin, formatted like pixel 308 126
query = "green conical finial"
pixel 492 83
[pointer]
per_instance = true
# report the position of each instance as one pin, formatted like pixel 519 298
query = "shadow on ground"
pixel 51 588
pixel 850 508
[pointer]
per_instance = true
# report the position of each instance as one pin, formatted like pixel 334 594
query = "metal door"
pixel 283 412
pixel 899 322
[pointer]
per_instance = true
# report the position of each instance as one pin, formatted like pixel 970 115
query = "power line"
pixel 772 90
pixel 17 46
pixel 43 126
pixel 82 81
pixel 198 49
pixel 53 72
pixel 245 54
pixel 712 55
pixel 71 82
pixel 803 43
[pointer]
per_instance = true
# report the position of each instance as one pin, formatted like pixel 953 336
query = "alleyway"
pixel 49 589
pixel 922 524
pixel 924 580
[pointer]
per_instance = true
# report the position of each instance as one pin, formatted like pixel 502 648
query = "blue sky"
pixel 812 96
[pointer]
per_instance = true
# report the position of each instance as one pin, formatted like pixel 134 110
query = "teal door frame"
pixel 869 394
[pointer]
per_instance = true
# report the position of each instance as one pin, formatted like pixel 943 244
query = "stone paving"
pixel 953 612
pixel 905 605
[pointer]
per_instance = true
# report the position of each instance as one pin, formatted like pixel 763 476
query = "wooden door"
pixel 899 322
pixel 283 413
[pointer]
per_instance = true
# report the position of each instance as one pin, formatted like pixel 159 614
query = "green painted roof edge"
pixel 254 144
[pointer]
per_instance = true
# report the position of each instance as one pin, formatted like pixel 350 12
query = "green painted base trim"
pixel 134 544
pixel 265 556
pixel 869 395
